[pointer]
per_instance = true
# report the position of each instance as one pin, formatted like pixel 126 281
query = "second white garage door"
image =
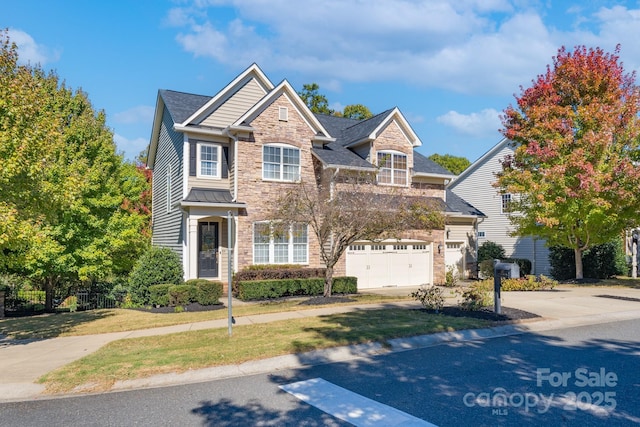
pixel 395 263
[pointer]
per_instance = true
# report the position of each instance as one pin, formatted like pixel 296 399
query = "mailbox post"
pixel 497 279
pixel 502 270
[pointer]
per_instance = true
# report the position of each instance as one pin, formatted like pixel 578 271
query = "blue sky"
pixel 450 66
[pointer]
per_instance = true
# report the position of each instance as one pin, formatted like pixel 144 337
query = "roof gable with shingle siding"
pixel 235 105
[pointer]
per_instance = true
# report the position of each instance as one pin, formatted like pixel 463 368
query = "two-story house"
pixel 476 185
pixel 234 153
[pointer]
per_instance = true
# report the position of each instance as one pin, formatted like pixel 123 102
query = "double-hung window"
pixel 280 163
pixel 506 203
pixel 288 246
pixel 209 165
pixel 392 168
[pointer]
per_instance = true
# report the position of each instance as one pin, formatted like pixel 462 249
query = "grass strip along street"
pixel 142 357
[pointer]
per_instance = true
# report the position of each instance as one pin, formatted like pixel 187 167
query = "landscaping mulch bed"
pixel 508 313
pixel 186 308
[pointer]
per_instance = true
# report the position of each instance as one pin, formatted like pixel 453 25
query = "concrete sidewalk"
pixel 22 362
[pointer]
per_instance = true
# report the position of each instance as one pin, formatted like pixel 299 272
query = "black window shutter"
pixel 193 157
pixel 225 162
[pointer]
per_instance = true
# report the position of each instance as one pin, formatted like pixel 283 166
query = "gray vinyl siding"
pixel 477 189
pixel 234 107
pixel 168 226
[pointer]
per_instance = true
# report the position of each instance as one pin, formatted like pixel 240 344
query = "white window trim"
pixel 290 248
pixel 218 148
pixel 502 203
pixel 281 146
pixel 392 169
pixel 283 114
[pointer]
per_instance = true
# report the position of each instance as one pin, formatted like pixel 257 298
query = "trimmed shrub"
pixel 600 262
pixel 181 294
pixel 490 251
pixel 208 292
pixel 528 283
pixel 268 289
pixel 272 272
pixel 344 285
pixel 430 297
pixel 156 266
pixel 159 294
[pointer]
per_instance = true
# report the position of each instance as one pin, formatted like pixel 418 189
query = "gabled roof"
pixel 457 205
pixel 475 165
pixel 284 88
pixel 251 73
pixel 182 105
pixel 350 132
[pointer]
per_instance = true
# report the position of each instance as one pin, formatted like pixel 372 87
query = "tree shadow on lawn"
pixel 22 330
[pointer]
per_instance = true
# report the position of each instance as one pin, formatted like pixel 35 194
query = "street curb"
pixel 23 392
pixel 365 351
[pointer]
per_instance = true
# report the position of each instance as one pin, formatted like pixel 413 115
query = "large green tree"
pixel 67 199
pixel 575 133
pixel 454 164
pixel 316 101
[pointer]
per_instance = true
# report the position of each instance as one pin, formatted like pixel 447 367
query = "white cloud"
pixel 29 51
pixel 130 147
pixel 483 123
pixel 139 114
pixel 469 46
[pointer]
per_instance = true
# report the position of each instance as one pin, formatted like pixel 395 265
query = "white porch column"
pixel 192 249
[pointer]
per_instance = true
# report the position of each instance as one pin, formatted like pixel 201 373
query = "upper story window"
pixel 208 162
pixel 506 203
pixel 393 168
pixel 280 163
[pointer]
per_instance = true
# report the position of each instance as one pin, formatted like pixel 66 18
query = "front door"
pixel 208 249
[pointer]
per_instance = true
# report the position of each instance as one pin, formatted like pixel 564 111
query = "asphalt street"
pixel 586 376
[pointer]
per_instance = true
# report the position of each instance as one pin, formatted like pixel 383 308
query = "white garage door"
pixel 390 263
pixel 454 257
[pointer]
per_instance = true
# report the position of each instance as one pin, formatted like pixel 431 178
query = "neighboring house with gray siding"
pixel 234 153
pixel 475 185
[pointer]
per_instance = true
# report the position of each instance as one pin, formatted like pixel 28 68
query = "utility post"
pixel 231 231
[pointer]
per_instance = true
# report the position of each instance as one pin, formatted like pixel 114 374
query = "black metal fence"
pixel 26 303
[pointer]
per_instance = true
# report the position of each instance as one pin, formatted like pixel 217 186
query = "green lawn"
pixel 118 320
pixel 141 357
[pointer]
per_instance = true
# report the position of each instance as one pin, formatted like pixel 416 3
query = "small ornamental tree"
pixel 575 134
pixel 348 208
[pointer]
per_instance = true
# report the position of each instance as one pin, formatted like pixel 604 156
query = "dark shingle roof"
pixel 182 105
pixel 422 164
pixel 347 131
pixel 206 195
pixel 457 204
pixel 336 154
